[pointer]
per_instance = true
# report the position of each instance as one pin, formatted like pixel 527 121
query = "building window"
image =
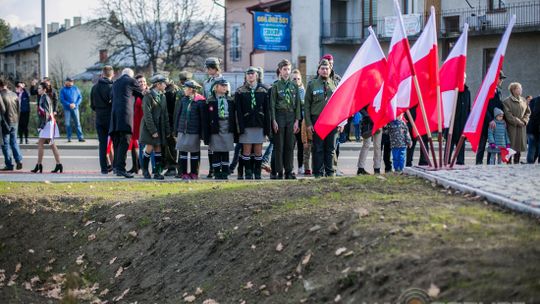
pixel 369 14
pixel 488 57
pixel 236 49
pixel 496 5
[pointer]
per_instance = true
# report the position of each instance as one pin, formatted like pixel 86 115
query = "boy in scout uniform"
pixel 318 93
pixel 285 112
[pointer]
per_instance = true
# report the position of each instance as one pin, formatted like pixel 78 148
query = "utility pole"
pixel 44 56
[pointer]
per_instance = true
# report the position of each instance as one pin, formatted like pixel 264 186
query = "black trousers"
pixel 299 146
pixel 24 119
pixel 323 151
pixel 482 149
pixel 387 152
pixel 121 144
pixel 102 129
pixel 284 142
pixel 410 152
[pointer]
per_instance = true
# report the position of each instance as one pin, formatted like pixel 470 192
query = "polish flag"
pixel 425 57
pixel 452 75
pixel 473 127
pixel 360 84
pixel 399 77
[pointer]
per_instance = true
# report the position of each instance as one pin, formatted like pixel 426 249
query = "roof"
pixel 273 6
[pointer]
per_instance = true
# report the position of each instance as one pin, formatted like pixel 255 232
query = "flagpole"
pixel 451 129
pixel 418 137
pixel 440 129
pixel 424 117
pixel 458 147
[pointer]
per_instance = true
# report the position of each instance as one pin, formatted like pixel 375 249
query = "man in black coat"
pixel 463 109
pixel 495 102
pixel 121 126
pixel 101 103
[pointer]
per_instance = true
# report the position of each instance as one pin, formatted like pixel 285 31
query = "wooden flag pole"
pixel 418 137
pixel 424 117
pixel 451 129
pixel 440 129
pixel 456 152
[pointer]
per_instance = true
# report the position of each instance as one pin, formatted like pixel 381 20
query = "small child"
pixel 400 139
pixel 497 137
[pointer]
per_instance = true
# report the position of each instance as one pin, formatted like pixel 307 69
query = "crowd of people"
pixel 163 124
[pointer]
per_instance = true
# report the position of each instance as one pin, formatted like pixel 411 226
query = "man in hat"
pixel 495 102
pixel 70 98
pixel 318 93
pixel 213 70
pixel 155 128
pixel 335 77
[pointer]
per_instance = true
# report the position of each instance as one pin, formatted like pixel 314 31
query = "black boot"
pixel 58 168
pixel 38 168
pixel 194 162
pixel 225 171
pixel 240 167
pixel 211 170
pixel 216 168
pixel 182 165
pixel 145 162
pixel 159 167
pixel 361 171
pixel 377 171
pixel 257 167
pixel 248 166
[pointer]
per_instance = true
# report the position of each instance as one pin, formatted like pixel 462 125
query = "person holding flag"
pixel 318 93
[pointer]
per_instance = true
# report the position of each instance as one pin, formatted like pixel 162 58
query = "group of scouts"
pixel 254 113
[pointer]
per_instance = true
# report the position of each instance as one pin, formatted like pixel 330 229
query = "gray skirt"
pixel 252 136
pixel 188 142
pixel 224 141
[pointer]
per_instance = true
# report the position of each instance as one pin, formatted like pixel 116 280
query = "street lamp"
pixel 44 56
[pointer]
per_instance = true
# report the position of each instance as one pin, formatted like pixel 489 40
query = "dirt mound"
pixel 345 240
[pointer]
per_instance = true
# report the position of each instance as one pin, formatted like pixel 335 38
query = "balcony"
pixel 483 20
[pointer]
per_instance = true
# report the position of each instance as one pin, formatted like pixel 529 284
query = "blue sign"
pixel 272 31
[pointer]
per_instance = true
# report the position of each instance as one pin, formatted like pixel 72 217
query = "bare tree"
pixel 173 32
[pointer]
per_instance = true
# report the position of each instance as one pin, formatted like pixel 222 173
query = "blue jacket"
pixel 498 136
pixel 70 95
pixel 24 99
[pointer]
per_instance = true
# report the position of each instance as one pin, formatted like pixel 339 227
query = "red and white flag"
pixel 399 76
pixel 360 84
pixel 473 127
pixel 425 58
pixel 452 75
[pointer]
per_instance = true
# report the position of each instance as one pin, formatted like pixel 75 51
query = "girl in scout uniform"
pixel 191 119
pixel 155 127
pixel 253 114
pixel 221 128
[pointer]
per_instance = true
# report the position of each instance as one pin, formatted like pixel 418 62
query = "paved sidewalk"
pixel 514 186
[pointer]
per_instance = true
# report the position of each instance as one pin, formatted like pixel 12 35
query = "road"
pixel 83 159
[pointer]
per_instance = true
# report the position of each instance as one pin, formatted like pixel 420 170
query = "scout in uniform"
pixel 253 118
pixel 213 70
pixel 155 127
pixel 285 111
pixel 318 93
pixel 190 122
pixel 221 128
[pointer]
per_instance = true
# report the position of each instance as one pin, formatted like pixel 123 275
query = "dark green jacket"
pixel 316 98
pixel 155 119
pixel 284 96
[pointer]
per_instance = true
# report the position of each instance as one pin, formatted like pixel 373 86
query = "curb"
pixel 491 197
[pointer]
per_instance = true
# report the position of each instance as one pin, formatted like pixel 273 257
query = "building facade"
pixel 72 49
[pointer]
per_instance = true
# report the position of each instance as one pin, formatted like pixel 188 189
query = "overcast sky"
pixel 28 12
